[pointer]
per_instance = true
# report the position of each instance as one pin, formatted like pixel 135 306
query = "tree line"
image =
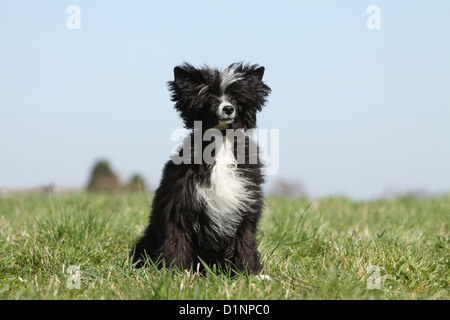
pixel 103 179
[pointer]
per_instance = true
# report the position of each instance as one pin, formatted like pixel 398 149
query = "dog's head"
pixel 221 99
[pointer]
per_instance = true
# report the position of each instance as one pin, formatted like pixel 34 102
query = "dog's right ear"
pixel 180 75
pixel 186 74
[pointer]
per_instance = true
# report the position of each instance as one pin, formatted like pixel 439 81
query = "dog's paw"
pixel 264 277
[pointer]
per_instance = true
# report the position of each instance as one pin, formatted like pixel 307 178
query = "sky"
pixel 360 98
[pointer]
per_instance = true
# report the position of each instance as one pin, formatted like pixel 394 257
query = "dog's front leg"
pixel 177 250
pixel 242 252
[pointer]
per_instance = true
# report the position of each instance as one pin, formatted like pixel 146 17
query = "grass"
pixel 321 249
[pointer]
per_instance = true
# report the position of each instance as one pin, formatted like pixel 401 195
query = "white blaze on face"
pixel 225 102
pixel 228 77
pixel 224 119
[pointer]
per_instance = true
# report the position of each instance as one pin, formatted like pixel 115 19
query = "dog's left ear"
pixel 258 73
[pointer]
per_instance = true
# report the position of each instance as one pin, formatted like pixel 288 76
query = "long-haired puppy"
pixel 208 211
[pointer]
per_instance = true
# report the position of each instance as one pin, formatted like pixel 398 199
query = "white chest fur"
pixel 227 196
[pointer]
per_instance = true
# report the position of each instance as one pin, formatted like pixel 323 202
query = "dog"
pixel 206 213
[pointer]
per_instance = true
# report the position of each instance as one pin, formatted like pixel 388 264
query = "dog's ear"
pixel 258 73
pixel 259 88
pixel 180 75
pixel 187 74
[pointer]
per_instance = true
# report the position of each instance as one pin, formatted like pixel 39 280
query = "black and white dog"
pixel 209 210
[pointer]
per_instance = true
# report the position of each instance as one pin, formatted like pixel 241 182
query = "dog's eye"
pixel 212 97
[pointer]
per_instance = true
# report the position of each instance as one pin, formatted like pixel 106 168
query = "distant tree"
pixel 136 184
pixel 391 193
pixel 103 179
pixel 288 188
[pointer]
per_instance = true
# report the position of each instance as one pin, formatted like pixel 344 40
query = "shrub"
pixel 136 184
pixel 103 179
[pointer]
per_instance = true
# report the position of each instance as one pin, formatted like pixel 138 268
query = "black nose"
pixel 228 109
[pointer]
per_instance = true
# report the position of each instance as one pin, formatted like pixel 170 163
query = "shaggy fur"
pixel 209 211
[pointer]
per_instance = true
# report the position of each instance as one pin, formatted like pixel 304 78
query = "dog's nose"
pixel 228 109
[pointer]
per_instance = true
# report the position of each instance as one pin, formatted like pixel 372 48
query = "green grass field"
pixel 322 249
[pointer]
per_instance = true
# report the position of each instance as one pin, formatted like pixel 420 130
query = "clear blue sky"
pixel 359 111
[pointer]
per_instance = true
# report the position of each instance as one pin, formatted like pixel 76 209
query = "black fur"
pixel 180 230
